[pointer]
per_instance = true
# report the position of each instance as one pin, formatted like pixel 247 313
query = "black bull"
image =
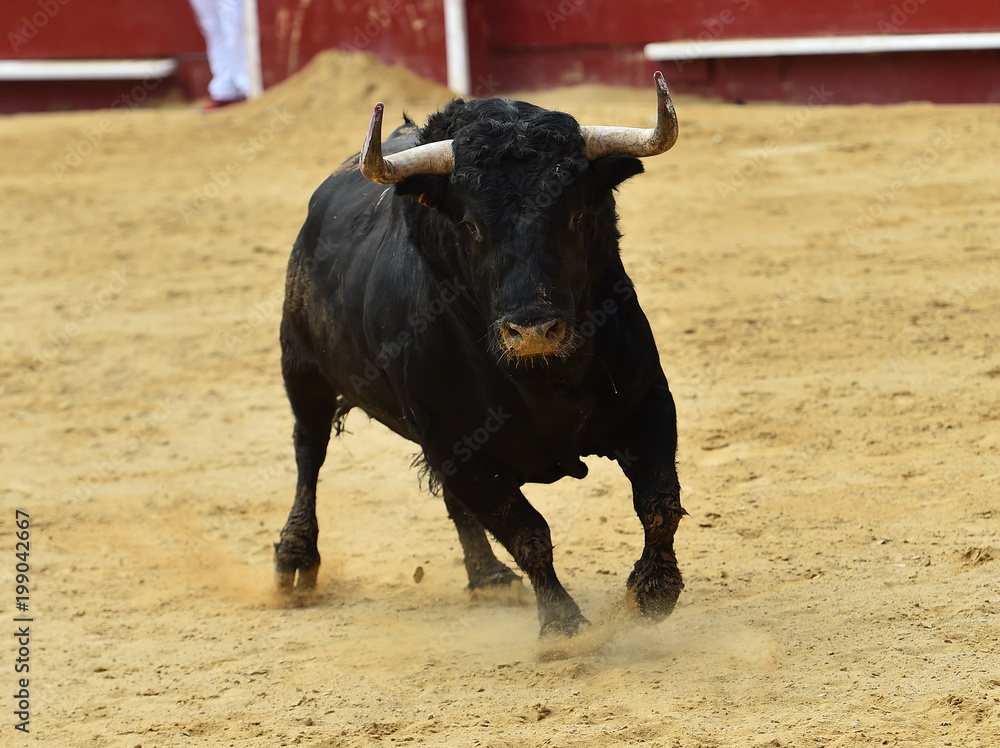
pixel 480 308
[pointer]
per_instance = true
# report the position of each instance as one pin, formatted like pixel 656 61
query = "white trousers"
pixel 221 23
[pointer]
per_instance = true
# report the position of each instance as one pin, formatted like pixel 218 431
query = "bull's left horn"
pixel 636 141
pixel 433 158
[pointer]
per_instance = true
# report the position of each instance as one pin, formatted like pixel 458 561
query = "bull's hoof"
pixel 565 626
pixel 504 589
pixel 560 617
pixel 287 566
pixel 497 576
pixel 286 582
pixel 655 595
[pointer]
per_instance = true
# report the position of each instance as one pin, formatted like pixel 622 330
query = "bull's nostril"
pixel 554 330
pixel 512 336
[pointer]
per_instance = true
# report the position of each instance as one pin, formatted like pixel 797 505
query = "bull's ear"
pixel 611 171
pixel 430 190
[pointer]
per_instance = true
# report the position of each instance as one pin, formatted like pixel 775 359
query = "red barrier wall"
pixel 524 23
pixel 407 33
pixel 535 43
pixel 61 29
pixel 99 29
pixel 526 44
pixel 521 44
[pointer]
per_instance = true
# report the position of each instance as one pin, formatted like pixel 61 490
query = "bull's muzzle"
pixel 548 337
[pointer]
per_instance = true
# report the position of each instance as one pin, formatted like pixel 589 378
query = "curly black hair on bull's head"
pixel 524 220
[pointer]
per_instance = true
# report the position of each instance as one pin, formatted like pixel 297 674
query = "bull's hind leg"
pixel 507 515
pixel 484 569
pixel 648 458
pixel 314 404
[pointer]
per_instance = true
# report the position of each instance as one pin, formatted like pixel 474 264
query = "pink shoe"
pixel 213 104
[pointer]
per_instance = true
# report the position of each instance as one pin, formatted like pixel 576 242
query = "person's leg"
pixel 221 23
pixel 233 52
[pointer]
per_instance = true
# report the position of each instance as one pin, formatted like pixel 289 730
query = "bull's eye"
pixel 575 221
pixel 472 228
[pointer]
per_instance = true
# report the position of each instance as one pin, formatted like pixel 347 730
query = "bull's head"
pixel 529 195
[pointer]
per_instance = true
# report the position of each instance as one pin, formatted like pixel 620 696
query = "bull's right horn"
pixel 433 158
pixel 636 141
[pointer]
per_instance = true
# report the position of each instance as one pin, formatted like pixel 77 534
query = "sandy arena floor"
pixel 824 284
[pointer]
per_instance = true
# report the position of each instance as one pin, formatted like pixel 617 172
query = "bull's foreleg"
pixel 648 458
pixel 518 526
pixel 484 569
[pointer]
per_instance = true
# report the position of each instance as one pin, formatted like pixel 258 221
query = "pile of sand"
pixel 338 87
